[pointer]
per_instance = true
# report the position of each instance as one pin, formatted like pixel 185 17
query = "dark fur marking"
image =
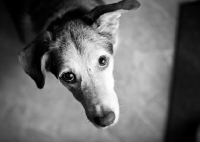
pixel 69 16
pixel 55 61
pixel 31 56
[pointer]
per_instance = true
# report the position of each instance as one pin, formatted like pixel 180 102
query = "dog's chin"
pixel 103 128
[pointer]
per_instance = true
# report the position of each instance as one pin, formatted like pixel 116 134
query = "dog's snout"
pixel 106 119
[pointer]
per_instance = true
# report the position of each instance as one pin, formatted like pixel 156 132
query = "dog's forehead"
pixel 77 42
pixel 83 37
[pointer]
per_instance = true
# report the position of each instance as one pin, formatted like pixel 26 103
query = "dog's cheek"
pixel 108 74
pixel 76 91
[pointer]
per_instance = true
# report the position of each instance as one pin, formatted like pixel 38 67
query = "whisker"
pixel 122 107
pixel 85 120
pixel 83 117
pixel 122 103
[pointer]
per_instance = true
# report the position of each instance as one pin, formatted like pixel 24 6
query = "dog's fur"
pixel 75 43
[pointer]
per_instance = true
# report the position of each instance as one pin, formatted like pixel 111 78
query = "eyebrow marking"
pixel 109 48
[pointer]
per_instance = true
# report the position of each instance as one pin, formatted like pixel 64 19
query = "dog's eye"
pixel 69 77
pixel 103 61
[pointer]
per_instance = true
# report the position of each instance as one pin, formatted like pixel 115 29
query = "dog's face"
pixel 80 55
pixel 83 59
pixel 86 70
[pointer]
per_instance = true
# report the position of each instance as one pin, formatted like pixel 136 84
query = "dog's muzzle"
pixel 101 110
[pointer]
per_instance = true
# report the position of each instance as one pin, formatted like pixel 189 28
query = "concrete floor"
pixel 142 72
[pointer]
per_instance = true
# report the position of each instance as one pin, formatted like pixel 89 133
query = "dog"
pixel 74 41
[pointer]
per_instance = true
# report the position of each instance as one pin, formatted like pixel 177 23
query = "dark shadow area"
pixel 9 45
pixel 184 107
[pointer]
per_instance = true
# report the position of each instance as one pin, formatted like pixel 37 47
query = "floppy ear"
pixel 31 58
pixel 105 18
pixel 108 22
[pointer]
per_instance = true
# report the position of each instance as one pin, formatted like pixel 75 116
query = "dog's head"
pixel 80 54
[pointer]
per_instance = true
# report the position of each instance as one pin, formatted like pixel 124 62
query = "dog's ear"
pixel 31 58
pixel 108 23
pixel 105 18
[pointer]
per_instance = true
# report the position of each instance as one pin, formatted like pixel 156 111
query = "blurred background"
pixel 143 68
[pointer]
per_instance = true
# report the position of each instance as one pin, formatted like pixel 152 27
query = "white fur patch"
pixel 43 63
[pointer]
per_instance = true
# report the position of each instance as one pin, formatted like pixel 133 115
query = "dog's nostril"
pixel 105 120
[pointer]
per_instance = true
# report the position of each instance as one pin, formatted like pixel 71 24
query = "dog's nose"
pixel 104 120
